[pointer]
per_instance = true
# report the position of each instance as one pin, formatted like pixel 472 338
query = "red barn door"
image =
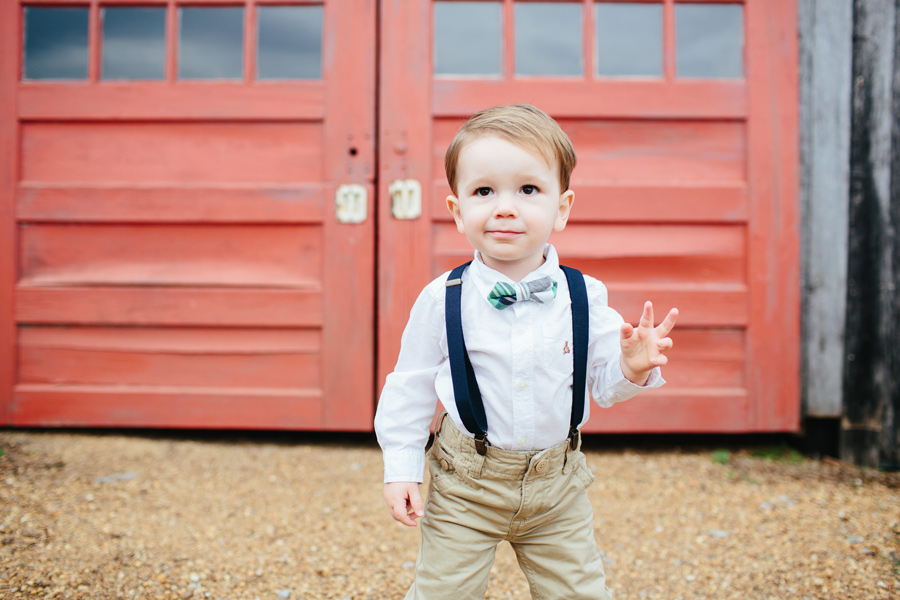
pixel 683 116
pixel 188 210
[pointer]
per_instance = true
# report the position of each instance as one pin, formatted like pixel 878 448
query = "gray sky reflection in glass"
pixel 134 43
pixel 548 38
pixel 211 43
pixel 709 40
pixel 290 42
pixel 628 39
pixel 468 38
pixel 56 43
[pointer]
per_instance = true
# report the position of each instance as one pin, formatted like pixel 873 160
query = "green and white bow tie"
pixel 540 290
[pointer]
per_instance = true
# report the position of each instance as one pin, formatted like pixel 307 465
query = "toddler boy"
pixel 499 343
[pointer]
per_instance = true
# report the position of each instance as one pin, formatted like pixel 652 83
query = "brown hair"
pixel 523 125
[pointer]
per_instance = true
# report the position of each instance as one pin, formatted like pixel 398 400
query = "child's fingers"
pixel 647 315
pixel 415 502
pixel 664 344
pixel 626 330
pixel 668 323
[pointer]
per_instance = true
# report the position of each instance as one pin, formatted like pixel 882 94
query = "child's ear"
pixel 453 207
pixel 565 207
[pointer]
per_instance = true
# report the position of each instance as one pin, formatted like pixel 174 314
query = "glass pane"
pixel 211 44
pixel 710 40
pixel 629 39
pixel 56 43
pixel 134 43
pixel 468 38
pixel 290 42
pixel 548 38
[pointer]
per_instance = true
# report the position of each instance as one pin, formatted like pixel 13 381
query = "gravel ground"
pixel 288 516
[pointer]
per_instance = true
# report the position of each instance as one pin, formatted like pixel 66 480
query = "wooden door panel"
pixel 179 260
pixel 685 194
pixel 154 152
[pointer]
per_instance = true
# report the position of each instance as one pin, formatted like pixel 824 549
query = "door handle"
pixel 350 203
pixel 406 199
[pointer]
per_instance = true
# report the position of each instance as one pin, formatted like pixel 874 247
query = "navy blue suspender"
pixel 465 387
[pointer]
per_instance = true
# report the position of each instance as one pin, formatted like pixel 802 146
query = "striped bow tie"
pixel 540 290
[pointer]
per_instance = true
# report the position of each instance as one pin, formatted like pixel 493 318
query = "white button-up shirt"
pixel 522 357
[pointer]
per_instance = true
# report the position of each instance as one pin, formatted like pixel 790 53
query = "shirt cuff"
pixel 404 465
pixel 623 389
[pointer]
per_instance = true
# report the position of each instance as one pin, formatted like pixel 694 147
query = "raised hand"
pixel 644 346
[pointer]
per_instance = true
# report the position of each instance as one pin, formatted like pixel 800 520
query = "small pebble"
pixel 408 564
pixel 284 594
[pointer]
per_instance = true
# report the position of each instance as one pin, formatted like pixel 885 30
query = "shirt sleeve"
pixel 607 383
pixel 408 399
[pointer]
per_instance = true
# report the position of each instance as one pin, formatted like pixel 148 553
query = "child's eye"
pixel 529 190
pixel 483 192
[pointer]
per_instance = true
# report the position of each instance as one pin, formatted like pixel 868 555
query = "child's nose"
pixel 506 205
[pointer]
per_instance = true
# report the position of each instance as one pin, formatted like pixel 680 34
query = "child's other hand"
pixel 644 347
pixel 404 501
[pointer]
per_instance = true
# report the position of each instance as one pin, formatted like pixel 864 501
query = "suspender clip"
pixel 573 437
pixel 452 282
pixel 481 443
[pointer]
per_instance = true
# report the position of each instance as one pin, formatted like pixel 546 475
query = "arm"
pixel 407 405
pixel 644 346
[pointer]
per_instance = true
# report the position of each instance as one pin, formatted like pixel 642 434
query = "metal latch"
pixel 406 199
pixel 350 203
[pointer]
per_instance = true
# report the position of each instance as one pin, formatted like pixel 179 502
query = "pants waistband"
pixel 454 447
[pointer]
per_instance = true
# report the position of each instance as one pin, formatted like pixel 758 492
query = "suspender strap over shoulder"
pixel 465 387
pixel 580 336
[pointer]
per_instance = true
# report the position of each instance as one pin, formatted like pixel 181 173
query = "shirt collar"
pixel 485 277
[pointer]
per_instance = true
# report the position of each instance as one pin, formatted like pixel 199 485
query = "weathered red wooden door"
pixel 179 248
pixel 683 116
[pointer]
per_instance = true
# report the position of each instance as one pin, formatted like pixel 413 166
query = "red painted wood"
pixel 167 204
pixel 168 306
pixel 9 134
pixel 405 152
pixel 275 359
pixel 348 360
pixel 572 99
pixel 192 153
pixel 774 237
pixel 179 261
pixel 672 204
pixel 171 407
pixel 163 254
pixel 39 101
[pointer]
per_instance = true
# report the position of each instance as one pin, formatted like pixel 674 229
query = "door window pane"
pixel 290 42
pixel 211 44
pixel 134 43
pixel 468 38
pixel 548 38
pixel 56 43
pixel 629 39
pixel 710 40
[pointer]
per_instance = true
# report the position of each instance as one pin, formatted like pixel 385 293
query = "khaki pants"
pixel 535 500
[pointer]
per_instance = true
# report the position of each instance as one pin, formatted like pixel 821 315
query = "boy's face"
pixel 507 203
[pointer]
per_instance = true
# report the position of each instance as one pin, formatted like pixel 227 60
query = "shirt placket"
pixel 522 379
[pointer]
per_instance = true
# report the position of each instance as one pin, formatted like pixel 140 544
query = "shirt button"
pixel 520 329
pixel 523 440
pixel 522 385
